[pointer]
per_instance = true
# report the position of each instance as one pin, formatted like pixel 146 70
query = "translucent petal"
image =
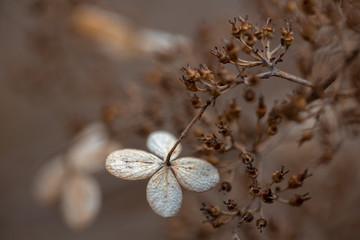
pixel 161 142
pixel 164 193
pixel 48 181
pixel 195 174
pixel 80 201
pixel 90 148
pixel 132 164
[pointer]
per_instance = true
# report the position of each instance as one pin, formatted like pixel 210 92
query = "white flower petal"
pixel 48 181
pixel 195 174
pixel 161 142
pixel 132 164
pixel 89 149
pixel 164 193
pixel 81 201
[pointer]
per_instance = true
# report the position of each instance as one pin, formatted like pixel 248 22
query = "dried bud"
pixel 232 50
pixel 297 180
pixel 189 84
pixel 221 55
pixel 252 80
pixel 250 39
pixel 231 205
pixel 286 36
pixel 258 33
pixel 272 130
pixel 232 112
pixel 249 95
pixel 224 129
pixel 212 142
pixel 211 210
pixel 248 216
pixel 255 189
pixel 192 74
pixel 247 158
pixel 225 186
pixel 206 73
pixel 261 108
pixel 195 101
pixel 235 30
pixel 268 196
pixel 279 176
pixel 261 224
pixel 252 171
pixel 245 27
pixel 297 200
pixel 268 30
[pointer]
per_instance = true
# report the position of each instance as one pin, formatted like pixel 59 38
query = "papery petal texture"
pixel 80 201
pixel 164 193
pixel 49 180
pixel 161 142
pixel 132 164
pixel 195 174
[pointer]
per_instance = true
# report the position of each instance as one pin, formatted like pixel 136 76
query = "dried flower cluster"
pixel 230 124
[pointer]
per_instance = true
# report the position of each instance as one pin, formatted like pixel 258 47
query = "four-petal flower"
pixel 163 190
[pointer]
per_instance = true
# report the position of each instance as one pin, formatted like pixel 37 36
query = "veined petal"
pixel 81 201
pixel 161 142
pixel 164 193
pixel 195 174
pixel 132 164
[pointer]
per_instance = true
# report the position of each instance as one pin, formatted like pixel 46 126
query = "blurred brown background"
pixel 48 79
pixel 52 78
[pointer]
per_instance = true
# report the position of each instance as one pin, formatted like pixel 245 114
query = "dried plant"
pixel 228 124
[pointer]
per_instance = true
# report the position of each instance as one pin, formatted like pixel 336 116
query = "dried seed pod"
pixel 225 186
pixel 297 200
pixel 192 74
pixel 268 196
pixel 261 108
pixel 221 55
pixel 252 80
pixel 255 189
pixel 261 224
pixel 286 36
pixel 189 84
pixel 196 101
pixel 249 95
pixel 211 210
pixel 231 205
pixel 232 112
pixel 247 216
pixel 268 30
pixel 296 181
pixel 252 171
pixel 279 176
pixel 247 158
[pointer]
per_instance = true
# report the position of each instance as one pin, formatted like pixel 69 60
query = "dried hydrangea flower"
pixel 163 190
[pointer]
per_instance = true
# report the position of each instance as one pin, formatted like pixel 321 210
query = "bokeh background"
pixel 49 77
pixel 54 79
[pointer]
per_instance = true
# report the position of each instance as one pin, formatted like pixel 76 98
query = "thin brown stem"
pixel 187 129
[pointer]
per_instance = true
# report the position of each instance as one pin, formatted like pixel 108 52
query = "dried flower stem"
pixel 187 129
pixel 278 73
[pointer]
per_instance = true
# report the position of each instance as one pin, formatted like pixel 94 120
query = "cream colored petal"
pixel 132 164
pixel 90 148
pixel 48 181
pixel 164 193
pixel 161 142
pixel 195 174
pixel 80 201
